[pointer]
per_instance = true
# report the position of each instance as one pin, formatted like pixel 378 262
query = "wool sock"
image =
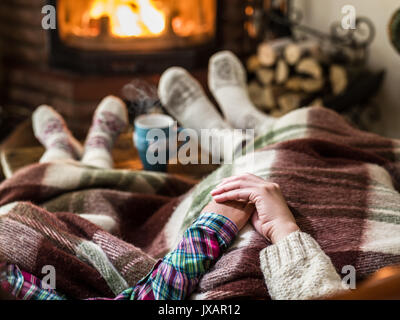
pixel 50 129
pixel 227 82
pixel 109 120
pixel 185 100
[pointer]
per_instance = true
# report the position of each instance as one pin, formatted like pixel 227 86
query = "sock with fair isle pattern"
pixel 51 130
pixel 110 119
pixel 227 82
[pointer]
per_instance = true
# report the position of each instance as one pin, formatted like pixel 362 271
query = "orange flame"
pixel 136 18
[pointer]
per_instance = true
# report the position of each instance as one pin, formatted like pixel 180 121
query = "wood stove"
pixel 133 36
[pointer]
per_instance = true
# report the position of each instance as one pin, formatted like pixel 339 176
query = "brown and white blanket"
pixel 103 229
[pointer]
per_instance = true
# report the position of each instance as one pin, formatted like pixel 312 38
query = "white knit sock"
pixel 185 100
pixel 227 82
pixel 109 120
pixel 50 129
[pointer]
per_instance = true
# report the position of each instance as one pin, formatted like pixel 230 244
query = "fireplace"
pixel 132 36
pixel 136 25
pixel 93 53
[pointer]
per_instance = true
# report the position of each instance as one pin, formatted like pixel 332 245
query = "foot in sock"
pixel 51 130
pixel 185 100
pixel 227 82
pixel 109 120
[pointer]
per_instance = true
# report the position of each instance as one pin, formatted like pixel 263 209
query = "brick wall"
pixel 21 31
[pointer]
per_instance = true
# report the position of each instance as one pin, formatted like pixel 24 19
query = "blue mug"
pixel 152 139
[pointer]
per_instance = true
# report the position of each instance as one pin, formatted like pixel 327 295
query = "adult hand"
pixel 273 218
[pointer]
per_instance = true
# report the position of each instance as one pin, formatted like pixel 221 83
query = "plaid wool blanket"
pixel 103 229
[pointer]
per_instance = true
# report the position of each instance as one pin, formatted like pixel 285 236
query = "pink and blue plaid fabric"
pixel 25 286
pixel 173 278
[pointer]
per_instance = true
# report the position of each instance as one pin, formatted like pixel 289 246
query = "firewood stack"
pixel 286 75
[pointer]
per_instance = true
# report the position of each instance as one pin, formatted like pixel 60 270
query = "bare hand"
pixel 238 212
pixel 273 218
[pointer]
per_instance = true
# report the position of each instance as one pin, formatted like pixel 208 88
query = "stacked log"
pixel 286 75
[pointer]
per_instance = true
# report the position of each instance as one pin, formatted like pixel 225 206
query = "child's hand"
pixel 238 212
pixel 272 218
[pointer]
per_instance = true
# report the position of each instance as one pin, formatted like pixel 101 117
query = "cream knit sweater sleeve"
pixel 296 268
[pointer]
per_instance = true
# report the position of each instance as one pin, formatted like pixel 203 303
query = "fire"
pixel 130 18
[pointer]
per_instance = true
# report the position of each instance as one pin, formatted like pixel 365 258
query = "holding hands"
pixel 271 216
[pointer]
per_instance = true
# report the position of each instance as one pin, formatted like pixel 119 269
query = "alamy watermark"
pixel 49 20
pixel 349 280
pixel 219 146
pixel 350 17
pixel 49 280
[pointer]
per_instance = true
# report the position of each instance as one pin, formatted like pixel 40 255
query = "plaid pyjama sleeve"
pixel 174 277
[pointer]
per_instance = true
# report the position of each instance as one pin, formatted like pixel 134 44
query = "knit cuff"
pixel 295 247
